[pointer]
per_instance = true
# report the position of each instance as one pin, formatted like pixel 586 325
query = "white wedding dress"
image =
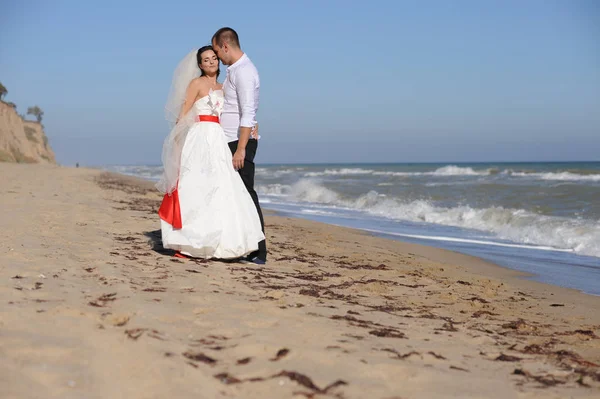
pixel 217 216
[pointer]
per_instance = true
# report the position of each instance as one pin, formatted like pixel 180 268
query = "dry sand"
pixel 93 307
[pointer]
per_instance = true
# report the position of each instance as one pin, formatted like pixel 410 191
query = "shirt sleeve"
pixel 247 85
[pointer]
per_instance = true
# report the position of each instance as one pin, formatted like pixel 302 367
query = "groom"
pixel 241 88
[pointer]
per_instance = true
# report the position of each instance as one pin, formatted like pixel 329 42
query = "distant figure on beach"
pixel 207 211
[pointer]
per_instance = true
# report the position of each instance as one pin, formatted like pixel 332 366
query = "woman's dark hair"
pixel 199 58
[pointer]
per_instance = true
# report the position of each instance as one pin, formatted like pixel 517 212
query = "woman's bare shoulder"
pixel 198 82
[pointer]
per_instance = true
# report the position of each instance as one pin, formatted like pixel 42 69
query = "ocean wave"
pixel 272 172
pixel 450 170
pixel 145 172
pixel 518 225
pixel 559 176
pixel 277 190
pixel 340 172
pixel 583 176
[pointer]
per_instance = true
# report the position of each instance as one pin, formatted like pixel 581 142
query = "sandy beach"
pixel 93 307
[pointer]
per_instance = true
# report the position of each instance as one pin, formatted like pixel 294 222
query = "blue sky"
pixel 341 81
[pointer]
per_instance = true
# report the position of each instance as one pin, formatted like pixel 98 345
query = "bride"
pixel 206 211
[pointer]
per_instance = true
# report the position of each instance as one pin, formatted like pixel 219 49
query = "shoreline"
pixel 472 260
pixel 507 236
pixel 474 266
pixel 93 306
pixel 441 253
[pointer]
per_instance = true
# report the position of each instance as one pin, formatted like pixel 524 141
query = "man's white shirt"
pixel 241 91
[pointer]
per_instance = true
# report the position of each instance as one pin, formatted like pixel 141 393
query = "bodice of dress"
pixel 211 104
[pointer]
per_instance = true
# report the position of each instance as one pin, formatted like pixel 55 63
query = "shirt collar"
pixel 242 59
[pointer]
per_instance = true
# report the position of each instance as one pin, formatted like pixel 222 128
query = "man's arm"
pixel 246 87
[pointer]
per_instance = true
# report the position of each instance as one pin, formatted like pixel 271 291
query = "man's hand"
pixel 238 158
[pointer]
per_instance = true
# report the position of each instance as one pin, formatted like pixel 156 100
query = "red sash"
pixel 169 210
pixel 207 118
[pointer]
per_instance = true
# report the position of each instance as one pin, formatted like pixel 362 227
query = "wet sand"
pixel 92 306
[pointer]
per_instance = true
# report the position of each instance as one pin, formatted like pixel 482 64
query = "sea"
pixel 539 218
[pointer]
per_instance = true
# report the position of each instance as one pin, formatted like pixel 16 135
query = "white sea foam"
pixel 145 172
pixel 470 241
pixel 520 226
pixel 450 170
pixel 454 171
pixel 317 212
pixel 154 172
pixel 340 172
pixel 274 173
pixel 559 176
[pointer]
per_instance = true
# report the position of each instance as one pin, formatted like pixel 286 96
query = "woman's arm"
pixel 190 97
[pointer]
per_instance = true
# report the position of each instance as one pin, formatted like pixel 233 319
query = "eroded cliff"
pixel 22 141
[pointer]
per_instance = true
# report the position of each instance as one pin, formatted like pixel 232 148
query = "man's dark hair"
pixel 226 35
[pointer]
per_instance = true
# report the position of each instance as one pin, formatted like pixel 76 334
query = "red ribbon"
pixel 169 210
pixel 207 118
